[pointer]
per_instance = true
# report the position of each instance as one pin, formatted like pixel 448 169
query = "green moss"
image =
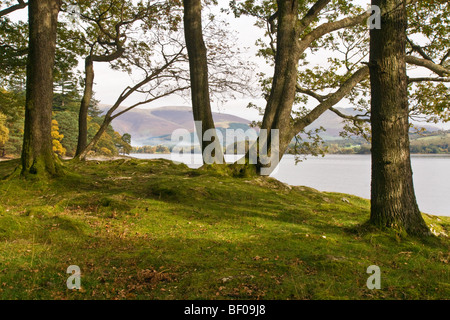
pixel 143 229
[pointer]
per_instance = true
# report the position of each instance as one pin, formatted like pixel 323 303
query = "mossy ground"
pixel 150 229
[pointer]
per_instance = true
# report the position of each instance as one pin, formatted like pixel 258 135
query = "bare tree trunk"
pixel 37 153
pixel 199 70
pixel 394 203
pixel 84 106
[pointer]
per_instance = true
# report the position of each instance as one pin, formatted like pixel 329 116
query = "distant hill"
pixel 155 126
pixel 334 124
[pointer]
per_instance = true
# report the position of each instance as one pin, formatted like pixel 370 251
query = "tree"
pixel 337 26
pixel 104 38
pixel 198 65
pixel 68 125
pixel 428 48
pixel 57 138
pixel 127 36
pixel 37 151
pixel 4 134
pixel 297 29
pixel 14 51
pixel 12 106
pixel 126 137
pixel 14 38
pixel 122 143
pixel 393 202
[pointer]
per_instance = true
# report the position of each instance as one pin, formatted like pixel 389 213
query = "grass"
pixel 150 229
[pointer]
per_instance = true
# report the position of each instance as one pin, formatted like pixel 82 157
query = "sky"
pixel 109 84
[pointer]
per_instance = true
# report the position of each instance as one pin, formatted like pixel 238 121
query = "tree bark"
pixel 393 202
pixel 37 155
pixel 198 65
pixel 279 105
pixel 277 115
pixel 84 106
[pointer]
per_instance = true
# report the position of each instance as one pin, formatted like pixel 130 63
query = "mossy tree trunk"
pixel 198 66
pixel 394 203
pixel 37 154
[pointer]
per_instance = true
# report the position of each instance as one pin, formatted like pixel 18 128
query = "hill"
pixel 155 126
pixel 335 124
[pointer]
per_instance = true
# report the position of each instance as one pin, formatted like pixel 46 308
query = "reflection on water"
pixel 351 174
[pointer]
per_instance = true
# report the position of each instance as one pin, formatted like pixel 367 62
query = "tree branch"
pixel 334 98
pixel 419 50
pixel 13 8
pixel 436 68
pixel 130 90
pixel 108 58
pixel 411 80
pixel 165 94
pixel 444 58
pixel 318 97
pixel 356 118
pixel 326 28
pixel 311 15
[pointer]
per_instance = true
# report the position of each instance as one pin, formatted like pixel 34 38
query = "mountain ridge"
pixel 155 126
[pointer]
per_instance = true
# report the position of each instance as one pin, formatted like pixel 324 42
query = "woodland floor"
pixel 150 229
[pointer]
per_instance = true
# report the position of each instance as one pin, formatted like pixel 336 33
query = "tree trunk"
pixel 88 93
pixel 393 203
pixel 106 122
pixel 282 95
pixel 37 154
pixel 84 106
pixel 198 65
pixel 277 114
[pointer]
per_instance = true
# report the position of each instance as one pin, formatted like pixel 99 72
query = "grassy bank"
pixel 150 229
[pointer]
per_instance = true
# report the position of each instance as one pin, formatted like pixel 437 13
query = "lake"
pixel 351 174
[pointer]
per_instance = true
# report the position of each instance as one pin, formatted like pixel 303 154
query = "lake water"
pixel 351 174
